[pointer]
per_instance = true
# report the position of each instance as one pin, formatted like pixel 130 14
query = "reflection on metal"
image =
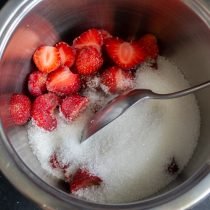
pixel 184 38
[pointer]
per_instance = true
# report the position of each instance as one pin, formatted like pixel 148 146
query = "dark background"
pixel 11 199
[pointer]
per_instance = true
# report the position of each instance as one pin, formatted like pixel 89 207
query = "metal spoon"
pixel 121 103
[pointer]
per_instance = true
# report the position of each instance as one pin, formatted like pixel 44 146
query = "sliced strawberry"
pixel 116 80
pixel 37 83
pixel 88 61
pixel 20 108
pixel 73 106
pixel 127 55
pixel 43 111
pixel 63 81
pixel 83 179
pixel 105 34
pixel 149 45
pixel 55 163
pixel 67 53
pixel 91 37
pixel 47 58
pixel 47 102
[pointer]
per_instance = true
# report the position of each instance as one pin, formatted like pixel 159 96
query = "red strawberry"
pixel 105 34
pixel 45 120
pixel 37 83
pixel 73 106
pixel 88 61
pixel 149 45
pixel 91 37
pixel 47 58
pixel 63 81
pixel 20 108
pixel 67 54
pixel 127 55
pixel 83 179
pixel 55 163
pixel 117 80
pixel 43 111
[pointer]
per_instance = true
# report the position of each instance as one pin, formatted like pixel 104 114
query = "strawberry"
pixel 149 45
pixel 105 34
pixel 43 111
pixel 44 120
pixel 47 58
pixel 91 37
pixel 117 80
pixel 20 108
pixel 37 83
pixel 67 54
pixel 55 163
pixel 88 61
pixel 73 106
pixel 63 81
pixel 127 55
pixel 83 179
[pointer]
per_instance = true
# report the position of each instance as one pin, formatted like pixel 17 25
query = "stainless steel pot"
pixel 183 30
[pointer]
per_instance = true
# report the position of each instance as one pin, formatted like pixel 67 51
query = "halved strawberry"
pixel 116 80
pixel 91 37
pixel 67 54
pixel 20 108
pixel 47 58
pixel 127 55
pixel 43 111
pixel 88 61
pixel 37 83
pixel 73 106
pixel 83 179
pixel 149 45
pixel 63 81
pixel 105 34
pixel 55 163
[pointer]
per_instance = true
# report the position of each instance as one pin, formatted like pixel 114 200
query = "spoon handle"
pixel 179 93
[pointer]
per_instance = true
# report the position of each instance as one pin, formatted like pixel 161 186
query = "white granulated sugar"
pixel 93 82
pixel 96 97
pixel 123 81
pixel 131 155
pixel 105 89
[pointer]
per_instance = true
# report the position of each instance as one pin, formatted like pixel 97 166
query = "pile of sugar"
pixel 130 155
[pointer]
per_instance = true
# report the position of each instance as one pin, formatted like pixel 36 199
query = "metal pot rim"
pixel 183 196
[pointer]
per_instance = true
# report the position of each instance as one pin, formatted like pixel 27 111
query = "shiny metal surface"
pixel 121 103
pixel 184 36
